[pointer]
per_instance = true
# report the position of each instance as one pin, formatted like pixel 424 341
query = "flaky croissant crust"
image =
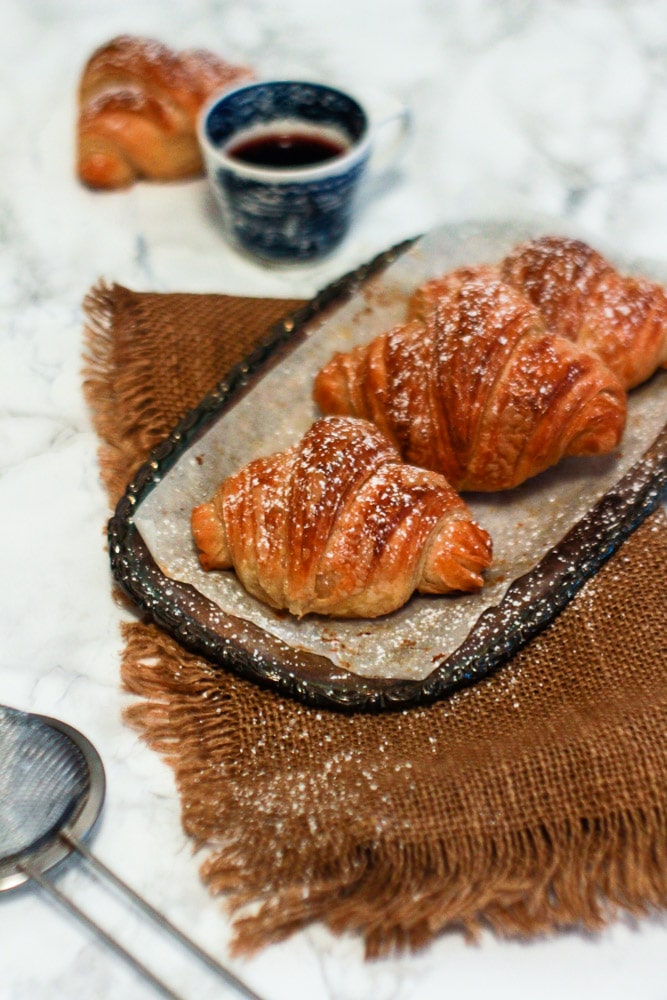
pixel 475 387
pixel 138 105
pixel 338 525
pixel 584 298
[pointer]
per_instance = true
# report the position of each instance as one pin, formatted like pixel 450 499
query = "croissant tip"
pixel 210 537
pixel 99 174
pixel 457 559
pixel 330 388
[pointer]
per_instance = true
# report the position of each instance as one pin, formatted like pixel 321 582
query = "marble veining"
pixel 520 107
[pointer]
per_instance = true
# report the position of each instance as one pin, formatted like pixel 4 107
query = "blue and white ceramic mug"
pixel 285 159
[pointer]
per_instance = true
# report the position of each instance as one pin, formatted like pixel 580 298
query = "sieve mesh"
pixel 44 779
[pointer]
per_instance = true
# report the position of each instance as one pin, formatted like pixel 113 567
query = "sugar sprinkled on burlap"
pixel 533 801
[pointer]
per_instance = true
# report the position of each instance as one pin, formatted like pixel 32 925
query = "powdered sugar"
pixel 524 523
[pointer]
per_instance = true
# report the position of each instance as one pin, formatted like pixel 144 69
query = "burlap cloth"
pixel 533 801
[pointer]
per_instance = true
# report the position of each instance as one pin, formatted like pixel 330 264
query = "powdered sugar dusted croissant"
pixel 138 105
pixel 583 297
pixel 338 525
pixel 478 389
pixel 436 293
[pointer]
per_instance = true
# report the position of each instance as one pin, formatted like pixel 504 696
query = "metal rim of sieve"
pixel 55 849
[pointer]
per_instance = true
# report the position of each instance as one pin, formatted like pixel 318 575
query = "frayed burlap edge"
pixel 127 432
pixel 397 893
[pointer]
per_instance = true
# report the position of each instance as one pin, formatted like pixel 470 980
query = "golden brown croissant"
pixel 584 298
pixel 435 294
pixel 138 105
pixel 338 525
pixel 478 389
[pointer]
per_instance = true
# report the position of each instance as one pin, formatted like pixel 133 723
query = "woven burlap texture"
pixel 533 801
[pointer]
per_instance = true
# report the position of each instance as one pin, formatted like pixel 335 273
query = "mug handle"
pixel 390 128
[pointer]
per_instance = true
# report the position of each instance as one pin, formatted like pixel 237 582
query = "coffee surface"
pixel 286 149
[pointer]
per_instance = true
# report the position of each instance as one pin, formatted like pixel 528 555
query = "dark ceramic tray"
pixel 550 535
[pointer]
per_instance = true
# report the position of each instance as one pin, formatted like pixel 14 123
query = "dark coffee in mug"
pixel 287 148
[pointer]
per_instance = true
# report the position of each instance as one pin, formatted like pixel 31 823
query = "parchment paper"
pixel 524 523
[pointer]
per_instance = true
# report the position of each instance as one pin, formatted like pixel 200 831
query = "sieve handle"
pixel 159 918
pixel 84 918
pixel 107 875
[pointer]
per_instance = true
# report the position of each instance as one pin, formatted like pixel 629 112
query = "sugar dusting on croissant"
pixel 338 525
pixel 583 297
pixel 477 388
pixel 138 105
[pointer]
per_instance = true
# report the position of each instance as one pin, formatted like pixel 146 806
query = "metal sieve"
pixel 52 788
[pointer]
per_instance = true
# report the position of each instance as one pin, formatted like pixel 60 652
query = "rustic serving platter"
pixel 550 535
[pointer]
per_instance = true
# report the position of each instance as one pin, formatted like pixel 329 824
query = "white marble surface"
pixel 520 106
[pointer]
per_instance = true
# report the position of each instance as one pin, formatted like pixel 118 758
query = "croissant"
pixel 338 525
pixel 478 389
pixel 138 105
pixel 584 298
pixel 435 294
